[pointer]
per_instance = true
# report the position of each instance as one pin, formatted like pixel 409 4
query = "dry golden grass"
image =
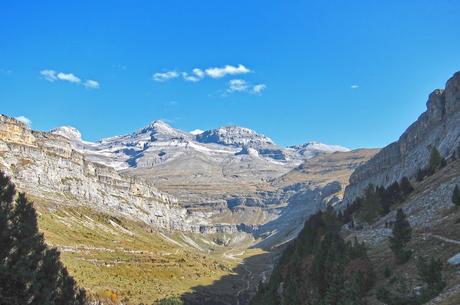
pixel 118 259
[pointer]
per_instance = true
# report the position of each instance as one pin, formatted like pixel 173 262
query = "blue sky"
pixel 354 73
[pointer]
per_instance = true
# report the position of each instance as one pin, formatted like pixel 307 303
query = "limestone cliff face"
pixel 438 126
pixel 214 189
pixel 46 165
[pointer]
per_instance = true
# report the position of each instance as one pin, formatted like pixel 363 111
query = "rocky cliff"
pixel 438 126
pixel 46 165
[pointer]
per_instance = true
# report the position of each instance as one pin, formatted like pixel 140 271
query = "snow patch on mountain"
pixel 68 132
pixel 312 149
pixel 196 132
pixel 234 136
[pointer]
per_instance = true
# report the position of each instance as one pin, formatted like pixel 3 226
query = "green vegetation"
pixel 30 272
pixel 372 205
pixel 169 301
pixel 456 196
pixel 400 292
pixel 319 268
pixel 436 160
pixel 402 233
pixel 435 163
pixel 378 201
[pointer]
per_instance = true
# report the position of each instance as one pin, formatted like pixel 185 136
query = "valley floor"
pixel 119 260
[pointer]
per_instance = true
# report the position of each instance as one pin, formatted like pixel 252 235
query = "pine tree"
pixel 456 196
pixel 431 272
pixel 30 273
pixel 436 160
pixel 402 234
pixel 371 207
pixel 7 192
pixel 406 186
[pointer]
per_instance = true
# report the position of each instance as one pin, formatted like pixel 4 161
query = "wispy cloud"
pixel 198 74
pixel 91 84
pixel 216 72
pixel 237 85
pixel 49 75
pixel 242 86
pixel 24 119
pixel 258 89
pixel 354 86
pixel 53 76
pixel 164 76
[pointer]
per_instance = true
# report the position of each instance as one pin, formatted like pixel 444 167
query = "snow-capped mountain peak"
pixel 68 132
pixel 234 136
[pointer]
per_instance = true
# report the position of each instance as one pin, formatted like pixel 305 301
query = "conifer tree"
pixel 431 272
pixel 402 234
pixel 456 196
pixel 406 186
pixel 7 192
pixel 30 272
pixel 436 160
pixel 371 206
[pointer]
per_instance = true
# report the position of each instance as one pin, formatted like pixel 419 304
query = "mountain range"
pixel 223 203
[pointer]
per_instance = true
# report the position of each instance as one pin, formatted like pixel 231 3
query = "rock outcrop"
pixel 438 126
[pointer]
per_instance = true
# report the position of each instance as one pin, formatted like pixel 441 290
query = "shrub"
pixel 169 301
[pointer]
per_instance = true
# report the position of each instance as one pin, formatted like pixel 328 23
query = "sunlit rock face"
pixel 438 126
pixel 226 180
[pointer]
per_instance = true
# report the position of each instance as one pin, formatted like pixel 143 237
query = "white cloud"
pixel 52 76
pixel 237 85
pixel 91 84
pixel 240 85
pixel 49 75
pixel 69 77
pixel 257 89
pixel 161 77
pixel 198 72
pixel 190 78
pixel 354 86
pixel 227 70
pixel 24 119
pixel 197 75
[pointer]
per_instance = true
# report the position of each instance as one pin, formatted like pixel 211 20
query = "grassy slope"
pixel 115 258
